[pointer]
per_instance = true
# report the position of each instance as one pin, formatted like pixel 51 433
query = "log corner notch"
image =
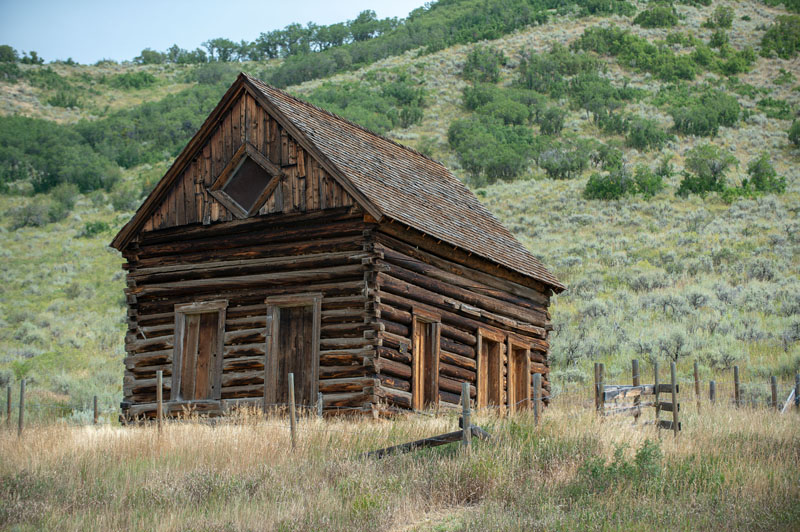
pixel 408 294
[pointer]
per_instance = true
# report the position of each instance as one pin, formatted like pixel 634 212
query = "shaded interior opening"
pixel 247 184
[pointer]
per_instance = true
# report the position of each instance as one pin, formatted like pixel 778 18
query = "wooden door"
pixel 519 377
pixel 490 369
pixel 292 347
pixel 197 358
pixel 425 362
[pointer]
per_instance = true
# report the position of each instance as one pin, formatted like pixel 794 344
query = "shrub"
pixel 706 165
pixel 483 64
pixel 794 133
pixel 774 108
pixel 91 229
pixel 763 176
pixel 613 185
pixel 489 149
pixel 703 115
pixel 722 17
pixel 565 160
pixel 214 73
pixel 660 16
pixel 718 39
pixel 8 54
pixel 645 134
pixel 41 210
pixel 648 183
pixel 782 38
pixel 132 80
pixel 551 121
pixel 506 109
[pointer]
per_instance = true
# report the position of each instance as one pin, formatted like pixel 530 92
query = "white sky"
pixel 89 30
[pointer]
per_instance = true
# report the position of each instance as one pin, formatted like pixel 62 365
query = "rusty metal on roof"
pixel 407 186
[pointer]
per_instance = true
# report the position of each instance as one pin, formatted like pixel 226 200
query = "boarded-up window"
pixel 490 369
pixel 197 358
pixel 293 323
pixel 519 375
pixel 246 181
pixel 425 353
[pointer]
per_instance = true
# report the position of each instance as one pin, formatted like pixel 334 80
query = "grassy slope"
pixel 61 305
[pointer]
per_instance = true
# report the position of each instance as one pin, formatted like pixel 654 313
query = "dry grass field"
pixel 728 470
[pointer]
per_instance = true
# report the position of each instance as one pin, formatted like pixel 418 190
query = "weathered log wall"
pixel 244 262
pixel 404 277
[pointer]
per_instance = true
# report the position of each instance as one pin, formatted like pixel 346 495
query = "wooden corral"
pixel 286 239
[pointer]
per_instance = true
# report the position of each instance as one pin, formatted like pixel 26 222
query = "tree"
pixel 365 26
pixel 221 49
pixel 794 133
pixel 705 170
pixel 8 54
pixel 150 57
pixel 483 64
pixel 763 176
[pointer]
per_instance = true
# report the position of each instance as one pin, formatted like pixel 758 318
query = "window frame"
pixel 245 151
pixel 181 310
pixel 274 304
pixel 419 380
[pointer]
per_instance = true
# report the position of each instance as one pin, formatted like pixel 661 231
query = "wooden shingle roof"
pixel 408 186
pixel 390 180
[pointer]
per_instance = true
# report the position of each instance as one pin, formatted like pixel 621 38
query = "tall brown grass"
pixel 729 469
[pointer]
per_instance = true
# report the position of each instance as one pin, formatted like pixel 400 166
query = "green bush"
pixel 489 149
pixel 41 210
pixel 551 121
pixel 620 183
pixel 794 133
pixel 214 73
pixel 91 229
pixel 66 99
pixel 659 16
pixel 648 183
pixel 774 108
pixel 547 72
pixel 565 160
pixel 132 80
pixel 722 17
pixel 782 38
pixel 706 166
pixel 703 114
pixel 8 54
pixel 644 134
pixel 718 39
pixel 763 177
pixel 483 64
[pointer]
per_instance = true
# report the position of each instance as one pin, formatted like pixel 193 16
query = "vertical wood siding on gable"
pixel 305 187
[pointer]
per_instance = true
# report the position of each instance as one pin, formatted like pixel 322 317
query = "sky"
pixel 90 30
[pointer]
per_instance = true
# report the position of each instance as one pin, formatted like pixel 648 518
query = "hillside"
pixel 709 276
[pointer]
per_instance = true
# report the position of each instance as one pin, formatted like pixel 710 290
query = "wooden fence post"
pixel 636 381
pixel 466 427
pixel 601 390
pixel 697 385
pixel 537 397
pixel 736 396
pixel 292 420
pixel 159 399
pixel 319 405
pixel 596 387
pixel 655 389
pixel 95 413
pixel 674 387
pixel 773 384
pixel 712 391
pixel 21 424
pixel 797 391
pixel 8 405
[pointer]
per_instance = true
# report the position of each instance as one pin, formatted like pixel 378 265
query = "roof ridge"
pixel 346 120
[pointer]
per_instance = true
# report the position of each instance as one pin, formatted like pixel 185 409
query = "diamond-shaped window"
pixel 246 182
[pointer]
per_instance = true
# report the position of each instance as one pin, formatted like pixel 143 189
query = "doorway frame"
pixel 274 305
pixel 181 310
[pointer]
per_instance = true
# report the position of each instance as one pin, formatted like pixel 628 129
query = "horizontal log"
pixel 395 383
pixel 245 390
pixel 622 392
pixel 394 354
pixel 243 363
pixel 349 399
pixel 241 378
pixel 397 369
pixel 148 359
pixel 664 424
pixel 457 348
pixel 667 388
pixel 433 441
pixel 394 341
pixel 454 386
pixel 351 384
pixel 457 360
pixel 394 397
pixel 246 336
pixel 403 317
pixel 667 406
pixel 395 328
pixel 343 343
pixel 338 372
pixel 242 350
pixel 456 372
pixel 153 344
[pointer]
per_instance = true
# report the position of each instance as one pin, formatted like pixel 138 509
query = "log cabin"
pixel 284 238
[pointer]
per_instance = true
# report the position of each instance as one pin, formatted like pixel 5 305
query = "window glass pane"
pixel 247 184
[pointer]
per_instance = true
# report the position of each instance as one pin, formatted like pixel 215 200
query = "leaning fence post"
pixel 655 391
pixel 697 385
pixel 95 413
pixel 712 391
pixel 319 405
pixel 636 381
pixel 674 388
pixel 537 397
pixel 159 399
pixel 736 396
pixel 8 405
pixel 773 384
pixel 21 424
pixel 292 420
pixel 465 416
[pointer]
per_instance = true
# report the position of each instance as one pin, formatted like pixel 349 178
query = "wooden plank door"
pixel 292 347
pixel 519 377
pixel 490 369
pixel 425 362
pixel 199 330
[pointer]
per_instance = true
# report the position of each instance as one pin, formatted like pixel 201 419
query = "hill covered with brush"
pixel 646 152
